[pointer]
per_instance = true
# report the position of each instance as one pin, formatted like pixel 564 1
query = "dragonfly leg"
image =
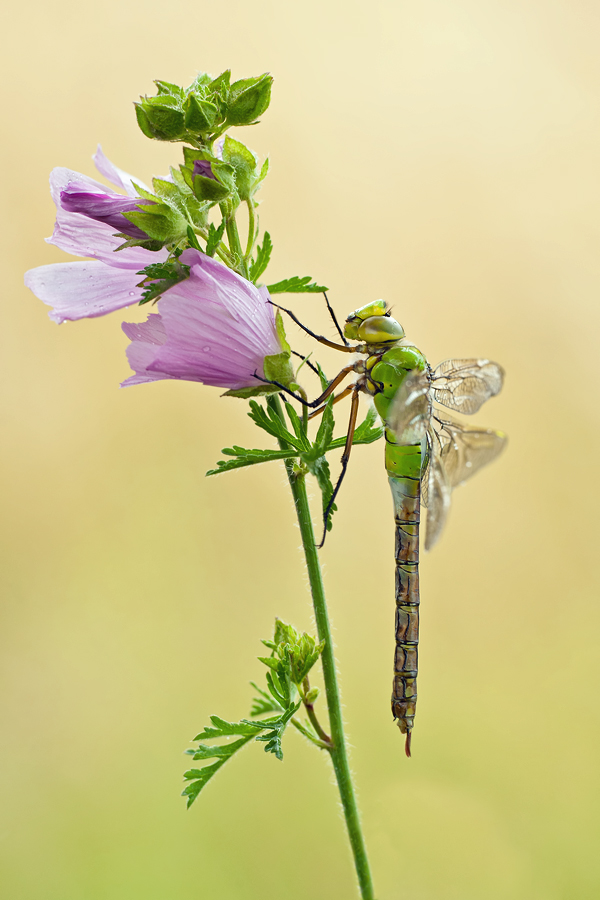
pixel 328 390
pixel 345 457
pixel 335 321
pixel 339 397
pixel 318 337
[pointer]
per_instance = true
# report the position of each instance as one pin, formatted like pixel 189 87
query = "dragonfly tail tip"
pixel 407 743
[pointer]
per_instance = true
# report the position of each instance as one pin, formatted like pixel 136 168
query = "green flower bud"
pixel 200 115
pixel 161 117
pixel 249 99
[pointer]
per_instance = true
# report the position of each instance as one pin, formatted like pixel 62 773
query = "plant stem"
pixel 338 752
pixel 251 228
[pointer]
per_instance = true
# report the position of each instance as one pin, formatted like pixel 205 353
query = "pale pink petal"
pixel 145 338
pixel 80 290
pixel 115 175
pixel 216 328
pixel 77 234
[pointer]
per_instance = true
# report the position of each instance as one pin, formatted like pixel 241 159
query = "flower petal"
pixel 80 290
pixel 116 176
pixel 77 234
pixel 145 338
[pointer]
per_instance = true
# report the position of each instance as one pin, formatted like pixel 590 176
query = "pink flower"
pixel 89 288
pixel 215 327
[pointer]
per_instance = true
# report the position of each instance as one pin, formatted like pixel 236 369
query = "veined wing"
pixel 410 412
pixel 436 491
pixel 465 384
pixel 455 452
pixel 465 449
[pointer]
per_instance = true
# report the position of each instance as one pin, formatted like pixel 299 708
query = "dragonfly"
pixel 428 452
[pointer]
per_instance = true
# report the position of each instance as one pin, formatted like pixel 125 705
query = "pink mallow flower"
pixel 87 216
pixel 215 327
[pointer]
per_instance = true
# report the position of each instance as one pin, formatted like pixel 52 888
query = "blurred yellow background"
pixel 444 156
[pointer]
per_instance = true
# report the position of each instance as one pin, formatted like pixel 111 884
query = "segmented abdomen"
pixel 407 492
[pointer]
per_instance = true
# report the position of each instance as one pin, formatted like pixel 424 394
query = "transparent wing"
pixel 465 384
pixel 454 453
pixel 410 411
pixel 464 449
pixel 436 492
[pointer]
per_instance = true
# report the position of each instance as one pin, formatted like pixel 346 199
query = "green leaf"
pixel 192 239
pixel 263 255
pixel 366 433
pixel 214 238
pixel 248 458
pixel 324 434
pixel 296 285
pixel 271 423
pixel 222 728
pixel 264 703
pixel 320 469
pixel 276 727
pixel 159 277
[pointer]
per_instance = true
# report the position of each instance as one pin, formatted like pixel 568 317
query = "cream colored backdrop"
pixel 443 155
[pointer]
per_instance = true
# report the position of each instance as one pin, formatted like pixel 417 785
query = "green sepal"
pixel 209 189
pixel 199 114
pixel 200 83
pixel 160 222
pixel 296 285
pixel 279 368
pixel 166 87
pixel 249 98
pixel 261 390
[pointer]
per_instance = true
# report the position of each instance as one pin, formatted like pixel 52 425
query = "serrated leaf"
pixel 270 422
pixel 248 458
pixel 214 238
pixel 298 426
pixel 263 255
pixel 222 728
pixel 320 469
pixel 296 285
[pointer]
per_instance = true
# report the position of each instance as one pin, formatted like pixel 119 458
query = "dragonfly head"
pixel 373 325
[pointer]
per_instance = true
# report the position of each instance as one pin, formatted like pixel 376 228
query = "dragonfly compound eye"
pixel 380 330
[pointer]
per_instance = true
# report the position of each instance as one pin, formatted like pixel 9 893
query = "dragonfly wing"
pixel 437 490
pixel 465 384
pixel 465 450
pixel 410 411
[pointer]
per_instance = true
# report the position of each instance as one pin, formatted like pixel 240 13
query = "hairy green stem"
pixel 251 229
pixel 338 752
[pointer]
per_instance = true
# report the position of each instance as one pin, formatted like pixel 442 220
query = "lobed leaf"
pixel 296 285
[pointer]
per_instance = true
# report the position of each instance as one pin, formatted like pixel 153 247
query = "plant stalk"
pixel 338 752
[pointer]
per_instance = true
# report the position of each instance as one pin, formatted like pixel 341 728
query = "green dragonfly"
pixel 427 453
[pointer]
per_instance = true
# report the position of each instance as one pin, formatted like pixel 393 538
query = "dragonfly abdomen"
pixel 406 492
